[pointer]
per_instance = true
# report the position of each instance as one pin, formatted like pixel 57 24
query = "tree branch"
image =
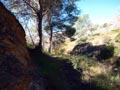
pixel 35 10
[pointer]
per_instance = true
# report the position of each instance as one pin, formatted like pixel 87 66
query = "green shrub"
pixel 106 52
pixel 82 61
pixel 70 31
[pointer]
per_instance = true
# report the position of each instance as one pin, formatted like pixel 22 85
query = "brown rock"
pixel 15 71
pixel 12 36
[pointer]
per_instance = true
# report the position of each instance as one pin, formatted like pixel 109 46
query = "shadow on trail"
pixel 58 73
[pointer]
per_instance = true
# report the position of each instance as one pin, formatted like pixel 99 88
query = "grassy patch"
pixel 106 82
pixel 97 74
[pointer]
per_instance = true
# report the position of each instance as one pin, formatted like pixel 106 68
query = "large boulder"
pixel 12 36
pixel 16 71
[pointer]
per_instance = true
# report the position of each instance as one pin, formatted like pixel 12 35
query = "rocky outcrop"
pixel 16 71
pixel 12 36
pixel 100 52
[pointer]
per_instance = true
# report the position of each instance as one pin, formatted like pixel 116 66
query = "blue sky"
pixel 100 11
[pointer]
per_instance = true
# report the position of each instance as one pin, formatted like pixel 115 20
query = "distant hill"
pixel 105 34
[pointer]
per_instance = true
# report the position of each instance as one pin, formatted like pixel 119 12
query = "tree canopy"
pixel 58 13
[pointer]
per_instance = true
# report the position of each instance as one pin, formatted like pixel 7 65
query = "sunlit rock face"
pixel 15 71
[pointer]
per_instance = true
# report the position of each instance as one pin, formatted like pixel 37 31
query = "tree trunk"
pixel 39 15
pixel 51 36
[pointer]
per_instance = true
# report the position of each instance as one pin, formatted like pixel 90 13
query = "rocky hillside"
pixel 105 37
